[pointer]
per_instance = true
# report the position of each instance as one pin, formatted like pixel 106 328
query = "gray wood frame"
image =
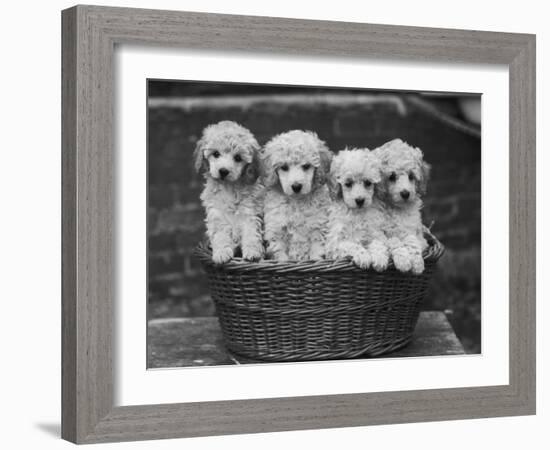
pixel 89 36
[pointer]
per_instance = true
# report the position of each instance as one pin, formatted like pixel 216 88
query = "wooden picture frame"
pixel 90 34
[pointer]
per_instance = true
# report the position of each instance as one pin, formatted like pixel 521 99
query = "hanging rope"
pixel 443 117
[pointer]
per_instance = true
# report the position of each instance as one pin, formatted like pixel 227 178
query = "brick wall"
pixel 176 219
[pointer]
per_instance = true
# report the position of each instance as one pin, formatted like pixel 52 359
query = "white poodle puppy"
pixel 295 167
pixel 228 155
pixel 356 216
pixel 404 180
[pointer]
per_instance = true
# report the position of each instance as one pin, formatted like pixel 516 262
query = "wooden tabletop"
pixel 198 341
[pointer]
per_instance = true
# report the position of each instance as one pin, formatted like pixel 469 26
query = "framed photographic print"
pixel 278 224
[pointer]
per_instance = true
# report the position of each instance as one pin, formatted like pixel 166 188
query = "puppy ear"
pixel 425 170
pixel 374 162
pixel 200 162
pixel 380 186
pixel 251 171
pixel 322 172
pixel 334 188
pixel 268 166
pixel 268 173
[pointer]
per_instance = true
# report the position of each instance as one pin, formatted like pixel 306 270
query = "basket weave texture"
pixel 315 310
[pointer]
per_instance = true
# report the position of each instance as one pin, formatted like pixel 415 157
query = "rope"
pixel 443 117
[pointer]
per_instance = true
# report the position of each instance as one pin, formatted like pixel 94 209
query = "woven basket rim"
pixel 204 253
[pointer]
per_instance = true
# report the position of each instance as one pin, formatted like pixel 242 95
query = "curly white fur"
pixel 404 179
pixel 295 166
pixel 356 216
pixel 228 154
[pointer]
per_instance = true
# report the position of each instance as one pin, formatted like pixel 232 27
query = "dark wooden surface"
pixel 198 341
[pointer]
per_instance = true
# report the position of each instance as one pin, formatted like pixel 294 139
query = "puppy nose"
pixel 223 173
pixel 296 187
pixel 359 201
pixel 405 195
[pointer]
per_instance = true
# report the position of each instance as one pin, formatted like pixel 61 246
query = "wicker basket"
pixel 298 311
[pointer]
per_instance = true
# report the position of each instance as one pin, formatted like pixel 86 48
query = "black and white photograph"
pixel 301 223
pixel 243 225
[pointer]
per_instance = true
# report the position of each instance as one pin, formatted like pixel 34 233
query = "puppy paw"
pixel 251 253
pixel 417 264
pixel 316 255
pixel 280 256
pixel 380 261
pixel 222 255
pixel 402 261
pixel 362 260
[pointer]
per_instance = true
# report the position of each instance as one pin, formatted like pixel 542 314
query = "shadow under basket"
pixel 315 310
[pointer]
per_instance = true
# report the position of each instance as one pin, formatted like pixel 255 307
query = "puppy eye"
pixel 306 166
pixel 367 183
pixel 348 183
pixel 216 154
pixel 411 176
pixel 238 158
pixel 284 167
pixel 392 177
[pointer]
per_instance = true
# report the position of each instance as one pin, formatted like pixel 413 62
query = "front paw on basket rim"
pixel 417 264
pixel 222 255
pixel 380 262
pixel 402 263
pixel 317 256
pixel 362 260
pixel 252 254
